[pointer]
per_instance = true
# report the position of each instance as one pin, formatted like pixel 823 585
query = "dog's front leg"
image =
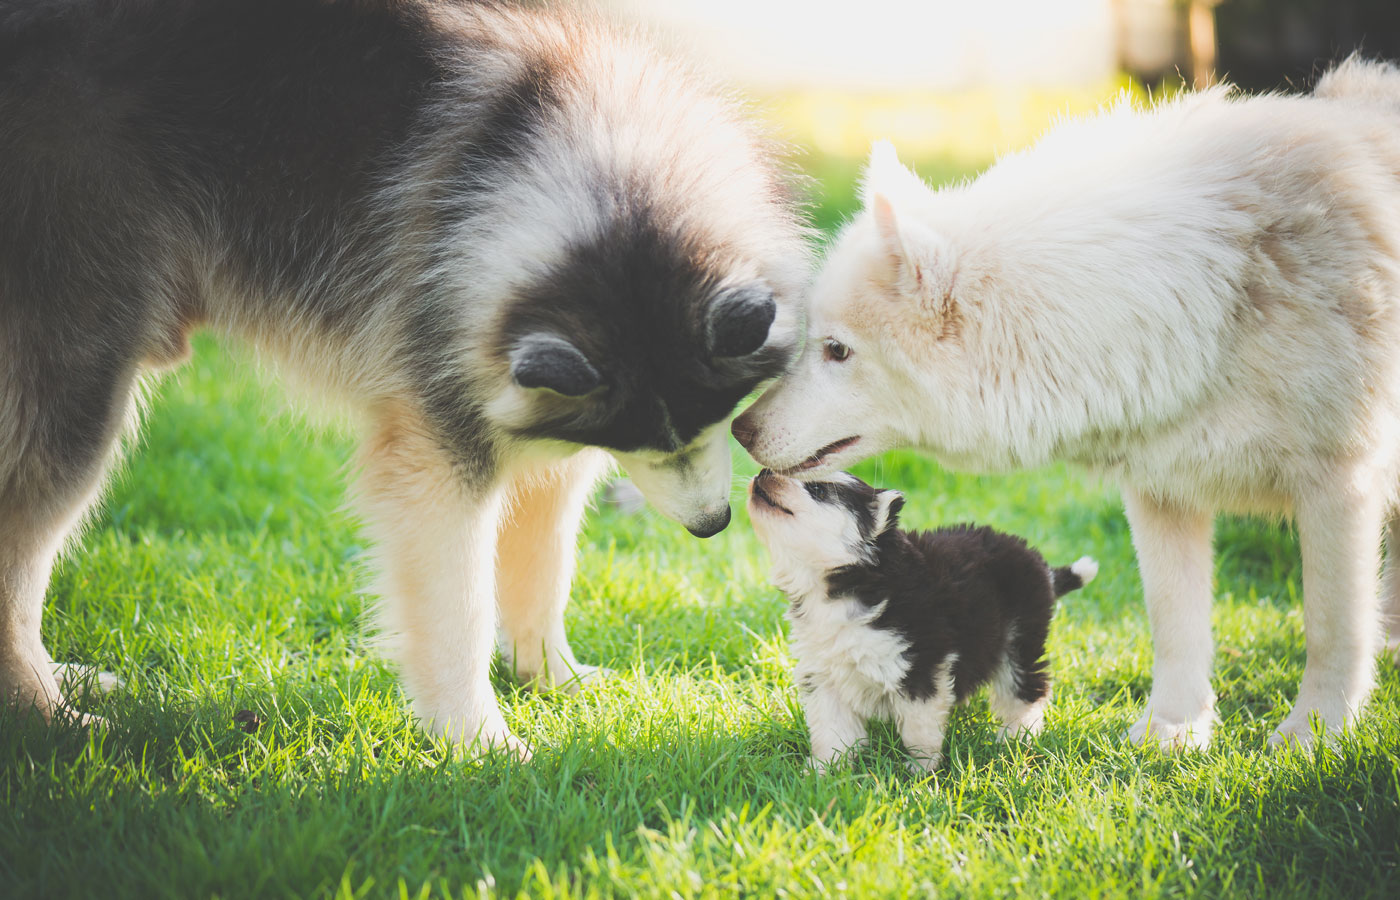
pixel 535 569
pixel 1390 589
pixel 435 533
pixel 1174 558
pixel 835 728
pixel 1339 525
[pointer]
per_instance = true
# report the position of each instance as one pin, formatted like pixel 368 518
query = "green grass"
pixel 221 576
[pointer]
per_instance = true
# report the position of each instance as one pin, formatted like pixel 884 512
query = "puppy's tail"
pixel 1073 576
pixel 1362 80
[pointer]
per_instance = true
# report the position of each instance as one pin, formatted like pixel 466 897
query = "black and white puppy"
pixel 904 625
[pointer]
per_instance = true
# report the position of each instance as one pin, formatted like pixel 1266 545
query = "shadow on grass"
pixel 186 802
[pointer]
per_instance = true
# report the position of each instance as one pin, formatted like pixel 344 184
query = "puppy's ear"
pixel 887 507
pixel 544 360
pixel 918 263
pixel 738 320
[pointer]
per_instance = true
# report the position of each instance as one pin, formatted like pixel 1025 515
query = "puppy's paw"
pixel 1155 730
pixel 1022 721
pixel 1020 731
pixel 924 762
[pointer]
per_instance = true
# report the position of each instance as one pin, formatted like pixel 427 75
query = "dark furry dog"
pixel 905 625
pixel 500 237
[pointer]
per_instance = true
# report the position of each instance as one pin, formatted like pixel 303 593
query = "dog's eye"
pixel 818 492
pixel 835 351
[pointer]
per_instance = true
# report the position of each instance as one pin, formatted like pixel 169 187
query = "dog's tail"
pixel 1073 576
pixel 1362 80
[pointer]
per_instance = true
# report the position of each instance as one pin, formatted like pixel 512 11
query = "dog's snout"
pixel 711 525
pixel 745 430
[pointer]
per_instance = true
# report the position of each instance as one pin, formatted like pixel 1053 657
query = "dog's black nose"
pixel 744 430
pixel 711 525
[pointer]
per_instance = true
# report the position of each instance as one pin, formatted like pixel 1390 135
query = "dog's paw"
pixel 1155 730
pixel 1020 731
pixel 507 744
pixel 570 679
pixel 498 743
pixel 1022 721
pixel 1304 728
pixel 78 680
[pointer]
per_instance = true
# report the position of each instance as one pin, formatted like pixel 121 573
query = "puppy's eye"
pixel 835 351
pixel 818 492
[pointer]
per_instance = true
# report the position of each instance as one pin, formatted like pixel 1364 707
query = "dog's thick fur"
pixel 501 237
pixel 905 625
pixel 1201 299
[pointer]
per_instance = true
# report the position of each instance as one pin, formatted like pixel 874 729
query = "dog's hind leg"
pixel 1019 693
pixel 1390 588
pixel 435 535
pixel 924 722
pixel 57 431
pixel 1339 525
pixel 535 569
pixel 1174 558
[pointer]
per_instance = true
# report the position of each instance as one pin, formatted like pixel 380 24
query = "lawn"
pixel 222 579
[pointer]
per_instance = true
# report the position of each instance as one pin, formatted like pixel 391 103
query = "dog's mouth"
pixel 764 497
pixel 820 456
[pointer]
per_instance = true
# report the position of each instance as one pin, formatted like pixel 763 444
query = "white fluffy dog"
pixel 1201 299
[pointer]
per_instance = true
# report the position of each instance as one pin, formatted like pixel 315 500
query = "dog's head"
pixel 814 527
pixel 643 345
pixel 884 314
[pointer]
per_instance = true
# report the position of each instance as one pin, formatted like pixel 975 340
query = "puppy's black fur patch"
pixel 965 589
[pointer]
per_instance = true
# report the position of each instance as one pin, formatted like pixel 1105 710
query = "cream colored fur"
pixel 1200 300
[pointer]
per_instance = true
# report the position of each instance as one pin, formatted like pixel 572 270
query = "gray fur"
pixel 383 197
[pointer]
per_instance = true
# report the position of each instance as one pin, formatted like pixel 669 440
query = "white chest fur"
pixel 837 648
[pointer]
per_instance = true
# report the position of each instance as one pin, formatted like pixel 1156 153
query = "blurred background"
pixel 954 83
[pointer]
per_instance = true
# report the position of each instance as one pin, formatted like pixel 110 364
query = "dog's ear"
pixel 885 174
pixel 887 507
pixel 737 322
pixel 544 360
pixel 918 263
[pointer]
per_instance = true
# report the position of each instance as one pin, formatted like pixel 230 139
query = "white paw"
pixel 508 744
pixel 71 716
pixel 78 680
pixel 1305 724
pixel 570 679
pixel 1022 721
pixel 925 762
pixel 501 742
pixel 1154 729
pixel 1020 731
